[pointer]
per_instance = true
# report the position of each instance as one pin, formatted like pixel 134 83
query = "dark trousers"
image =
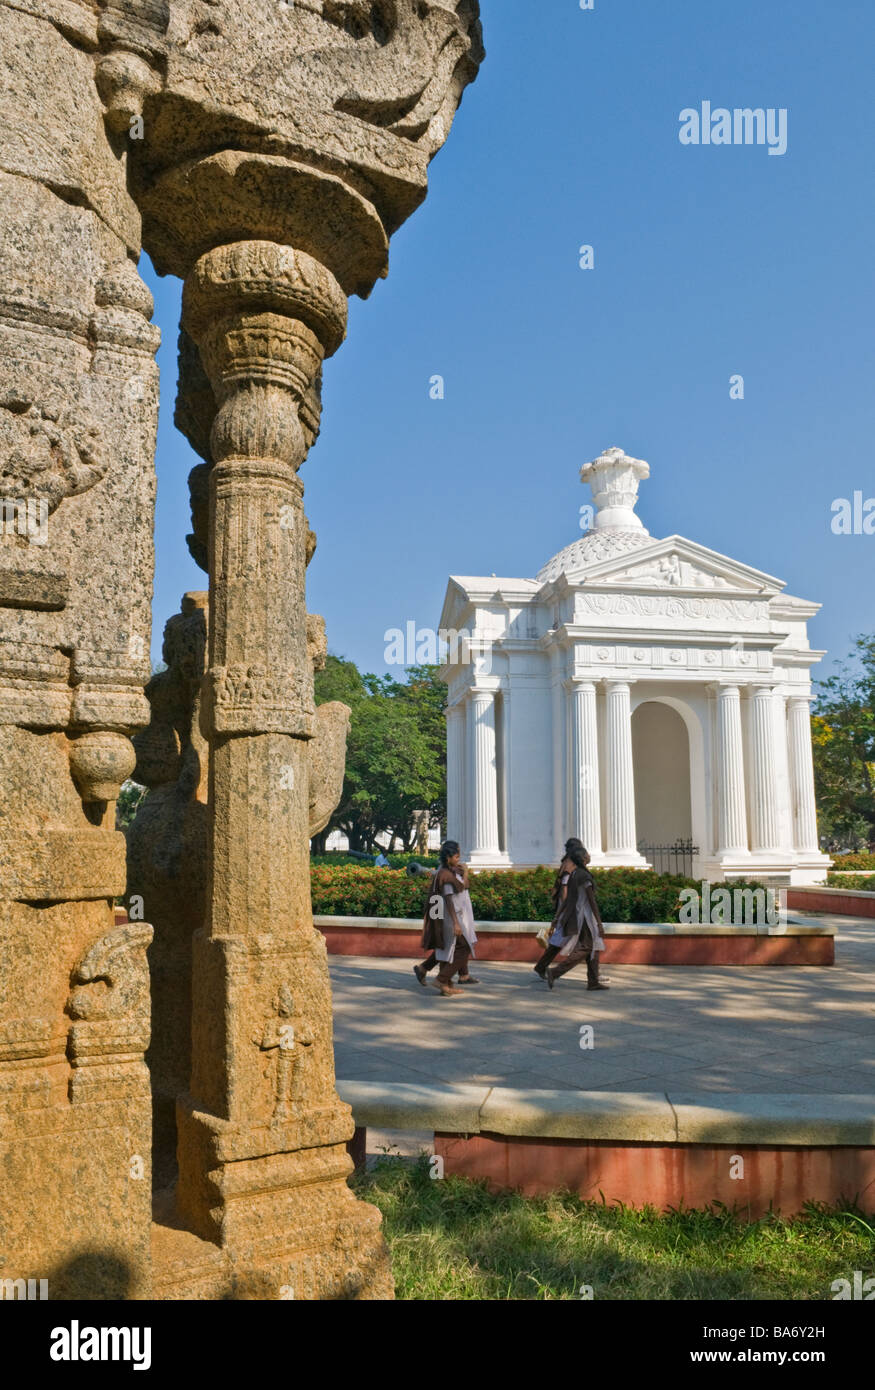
pixel 461 956
pixel 583 953
pixel 547 959
pixel 429 963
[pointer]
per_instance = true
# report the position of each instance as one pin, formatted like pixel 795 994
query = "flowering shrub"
pixel 863 860
pixel 624 895
pixel 863 883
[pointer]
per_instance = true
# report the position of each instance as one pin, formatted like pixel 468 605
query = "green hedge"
pixel 624 895
pixel 864 882
pixel 340 859
pixel 863 860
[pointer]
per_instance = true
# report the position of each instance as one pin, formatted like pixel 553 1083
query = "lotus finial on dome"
pixel 613 479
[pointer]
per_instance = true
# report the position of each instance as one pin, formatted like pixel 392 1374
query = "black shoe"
pixel 420 974
pixel 598 986
pixel 550 978
pixel 541 974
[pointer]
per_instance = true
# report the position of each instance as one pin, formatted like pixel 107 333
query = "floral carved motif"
pixel 46 451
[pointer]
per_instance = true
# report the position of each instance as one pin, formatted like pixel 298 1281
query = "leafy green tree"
pixel 396 752
pixel 129 798
pixel 843 736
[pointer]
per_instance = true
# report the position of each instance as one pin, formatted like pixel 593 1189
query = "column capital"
pixel 617 686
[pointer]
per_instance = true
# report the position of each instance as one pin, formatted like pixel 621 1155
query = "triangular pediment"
pixel 679 565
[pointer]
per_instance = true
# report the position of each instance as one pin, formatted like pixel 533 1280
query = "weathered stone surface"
pixel 78 404
pixel 167 844
pixel 269 151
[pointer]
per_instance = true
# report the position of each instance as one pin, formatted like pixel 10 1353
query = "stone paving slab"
pixel 802 1030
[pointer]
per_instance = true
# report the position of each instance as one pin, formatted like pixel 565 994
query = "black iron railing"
pixel 671 859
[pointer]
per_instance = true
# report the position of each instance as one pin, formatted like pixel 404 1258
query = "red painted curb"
pixel 638 1174
pixel 625 950
pixel 842 904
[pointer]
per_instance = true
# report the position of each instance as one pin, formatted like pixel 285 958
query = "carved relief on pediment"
pixel 670 572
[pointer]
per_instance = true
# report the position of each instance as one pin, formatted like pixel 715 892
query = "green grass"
pixel 452 1239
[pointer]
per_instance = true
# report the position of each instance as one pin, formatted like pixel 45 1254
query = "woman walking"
pixel 560 890
pixel 448 928
pixel 578 934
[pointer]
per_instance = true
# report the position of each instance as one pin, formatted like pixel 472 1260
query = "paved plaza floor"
pixel 697 1028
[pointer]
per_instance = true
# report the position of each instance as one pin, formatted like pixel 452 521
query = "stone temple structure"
pixel 636 693
pixel 264 152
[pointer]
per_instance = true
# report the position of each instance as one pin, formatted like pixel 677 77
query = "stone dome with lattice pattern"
pixel 592 549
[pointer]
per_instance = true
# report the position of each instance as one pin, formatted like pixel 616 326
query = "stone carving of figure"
pixel 289 1037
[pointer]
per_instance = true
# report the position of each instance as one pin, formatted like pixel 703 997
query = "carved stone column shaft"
pixel 731 810
pixel 585 809
pixel 802 777
pixel 765 827
pixel 263 1124
pixel 481 714
pixel 621 835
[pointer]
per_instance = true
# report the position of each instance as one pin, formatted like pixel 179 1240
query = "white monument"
pixel 637 693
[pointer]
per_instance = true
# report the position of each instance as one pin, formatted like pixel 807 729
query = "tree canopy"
pixel 396 751
pixel 843 734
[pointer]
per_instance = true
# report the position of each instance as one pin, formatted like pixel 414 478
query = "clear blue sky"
pixel 708 262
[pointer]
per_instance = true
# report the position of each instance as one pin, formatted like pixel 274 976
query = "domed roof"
pixel 592 549
pixel 613 479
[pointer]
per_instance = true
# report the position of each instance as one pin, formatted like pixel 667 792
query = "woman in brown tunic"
pixel 448 928
pixel 560 891
pixel 578 934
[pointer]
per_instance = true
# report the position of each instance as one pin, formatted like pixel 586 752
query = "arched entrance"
pixel 661 759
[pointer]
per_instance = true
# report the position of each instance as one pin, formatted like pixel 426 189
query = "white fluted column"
pixel 731 809
pixel 483 826
pixel 622 842
pixel 560 759
pixel 585 816
pixel 455 772
pixel 802 777
pixel 783 790
pixel 764 823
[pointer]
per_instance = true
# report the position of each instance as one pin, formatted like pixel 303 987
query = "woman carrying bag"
pixel 448 928
pixel 550 939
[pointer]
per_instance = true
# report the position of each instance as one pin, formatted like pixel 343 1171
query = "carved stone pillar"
pixel 262 1136
pixel 783 792
pixel 621 837
pixel 484 800
pixel 585 819
pixel 455 772
pixel 731 810
pixel 764 821
pixel 802 777
pixel 560 760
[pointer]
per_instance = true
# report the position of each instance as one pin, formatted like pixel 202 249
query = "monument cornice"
pixel 679 637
